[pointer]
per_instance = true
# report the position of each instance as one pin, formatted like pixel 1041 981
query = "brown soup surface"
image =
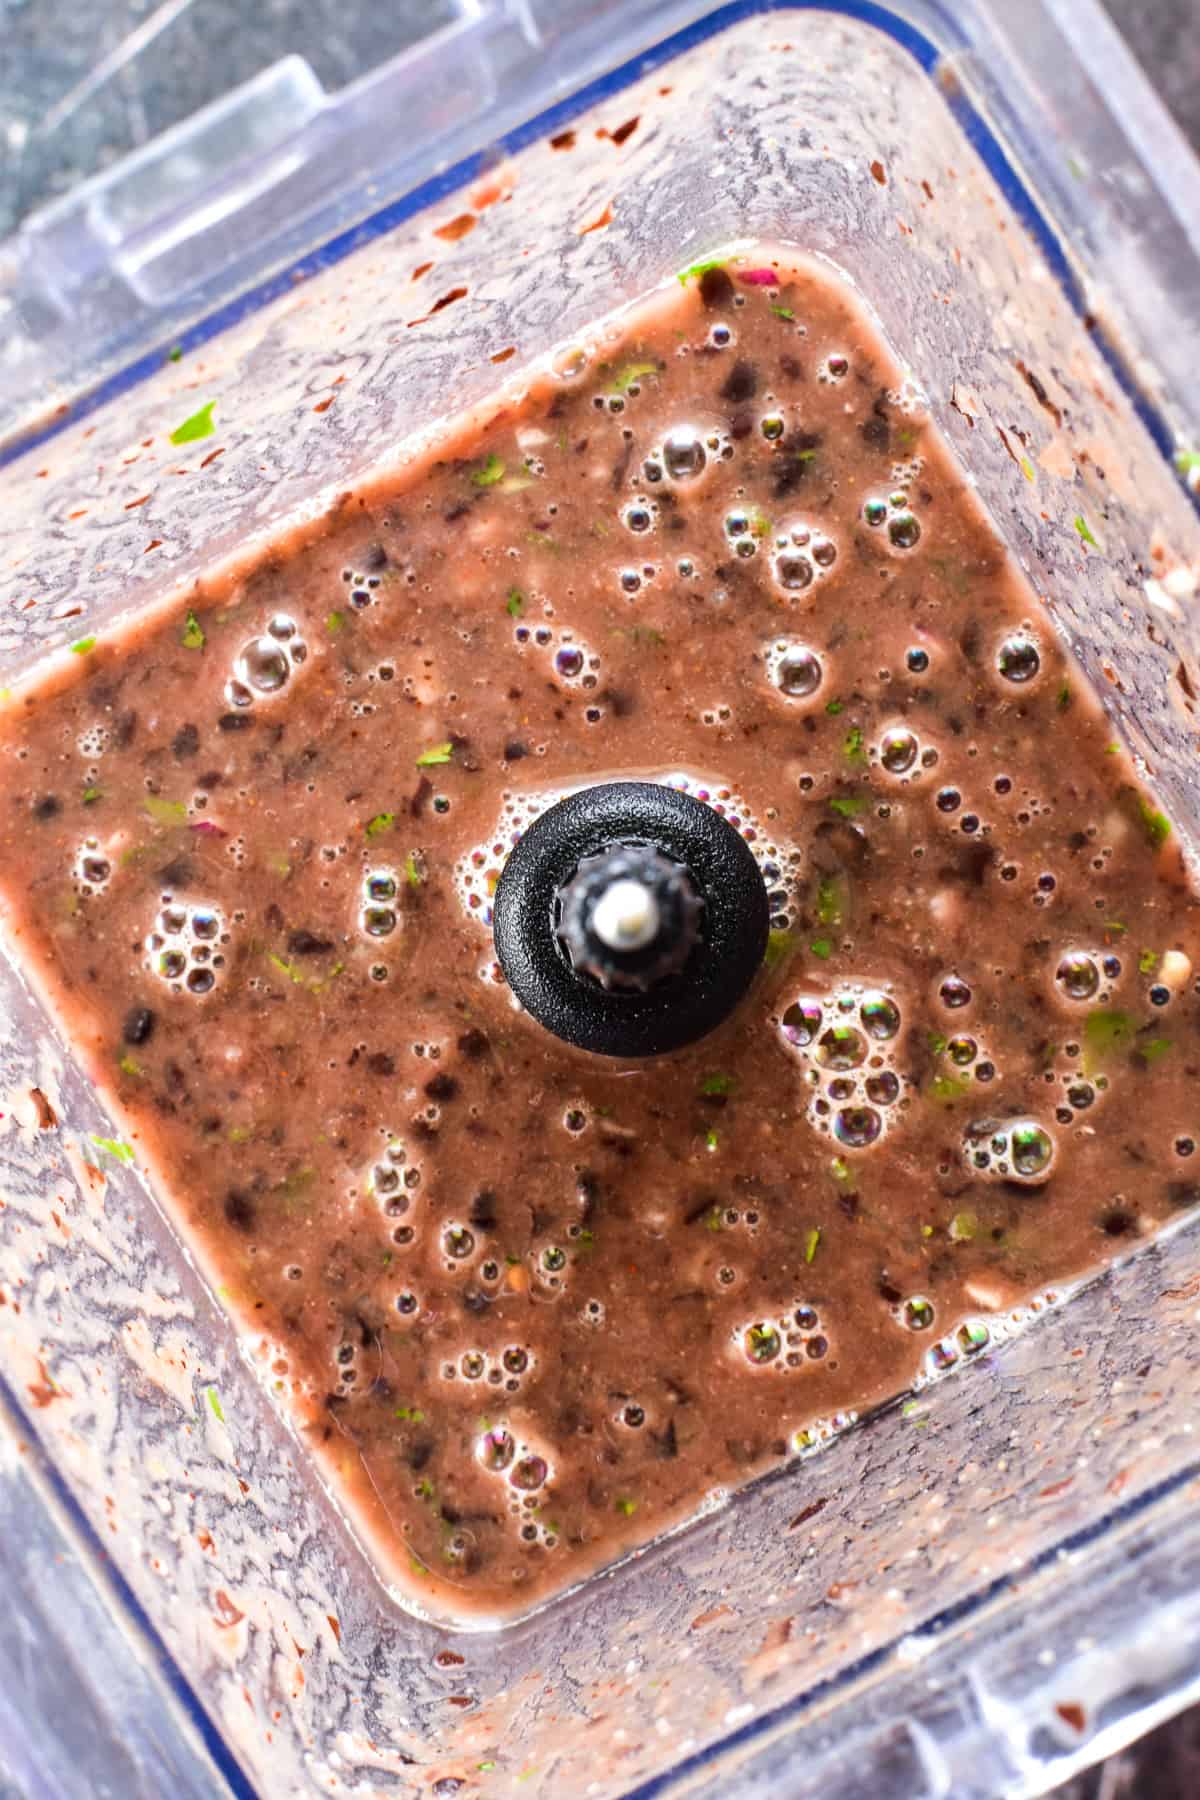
pixel 531 1307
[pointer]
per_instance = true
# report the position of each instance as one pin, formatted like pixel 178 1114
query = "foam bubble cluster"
pixel 184 946
pixel 378 915
pixel 1009 1150
pixel 93 868
pixel 893 514
pixel 572 661
pixel 793 1340
pixel 849 1042
pixel 801 554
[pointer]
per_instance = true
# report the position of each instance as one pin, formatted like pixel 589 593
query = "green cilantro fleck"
pixel 334 622
pixel 491 472
pixel 1112 749
pixel 433 758
pixel 632 373
pixel 839 1169
pixel 424 1489
pixel 718 1084
pixel 240 1134
pixel 700 268
pixel 1084 530
pixel 647 635
pixel 780 945
pixel 515 604
pixel 1117 927
pixel 711 1140
pixel 1149 1050
pixel 627 1508
pixel 200 425
pixel 413 1414
pixel 82 646
pixel 1147 962
pixel 214 1401
pixel 91 795
pixel 812 1243
pixel 1104 1031
pixel 164 812
pixel 852 746
pixel 833 708
pixel 485 1767
pixel 1027 468
pixel 129 1065
pixel 1155 824
pixel 947 1089
pixel 114 1147
pixel 822 947
pixel 193 633
pixel 380 823
pixel 963 1227
pixel 783 312
pixel 413 871
pixel 286 968
pixel 1063 697
pixel 175 353
pixel 1187 461
pixel 848 806
pixel 937 1042
pixel 831 899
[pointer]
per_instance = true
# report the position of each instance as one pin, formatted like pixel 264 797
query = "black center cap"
pixel 630 919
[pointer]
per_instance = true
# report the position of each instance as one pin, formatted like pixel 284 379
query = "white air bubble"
pixel 265 664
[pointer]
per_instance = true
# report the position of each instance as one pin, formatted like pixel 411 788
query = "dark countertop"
pixel 205 46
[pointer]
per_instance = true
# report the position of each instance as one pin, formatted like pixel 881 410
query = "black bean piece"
pixel 515 751
pixel 716 288
pixel 240 1209
pixel 178 873
pixel 125 729
pixel 380 1063
pixel 186 742
pixel 666 1442
pixel 307 943
pixel 47 807
pixel 441 1086
pixel 375 557
pixel 483 1210
pixel 876 434
pixel 741 383
pixel 138 1026
pixel 474 1043
pixel 232 721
